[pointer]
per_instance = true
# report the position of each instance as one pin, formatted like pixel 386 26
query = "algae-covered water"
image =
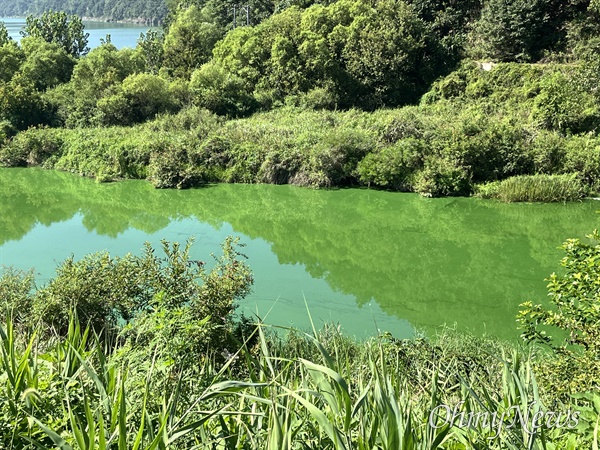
pixel 368 260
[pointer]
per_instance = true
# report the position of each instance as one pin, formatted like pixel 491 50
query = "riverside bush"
pixel 393 167
pixel 107 292
pixel 32 147
pixel 573 319
pixel 582 155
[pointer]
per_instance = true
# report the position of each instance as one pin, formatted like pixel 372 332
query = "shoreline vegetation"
pixel 166 363
pixel 450 106
pixel 472 133
pixel 387 149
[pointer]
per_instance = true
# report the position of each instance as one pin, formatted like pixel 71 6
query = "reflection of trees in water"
pixel 427 260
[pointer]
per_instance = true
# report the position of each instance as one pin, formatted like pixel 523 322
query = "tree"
pixel 96 76
pixel 47 64
pixel 351 53
pixel 4 37
pixel 190 41
pixel 11 58
pixel 518 30
pixel 382 49
pixel 217 90
pixel 151 47
pixel 60 28
pixel 139 98
pixel 21 104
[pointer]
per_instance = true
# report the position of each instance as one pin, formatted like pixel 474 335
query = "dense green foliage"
pixel 175 111
pixel 59 28
pixel 437 150
pixel 573 315
pixel 155 387
pixel 106 292
pixel 477 123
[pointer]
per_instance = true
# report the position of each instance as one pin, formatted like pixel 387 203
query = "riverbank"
pixel 424 149
pixel 471 129
pixel 152 22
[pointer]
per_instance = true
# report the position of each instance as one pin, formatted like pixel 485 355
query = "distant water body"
pixel 121 34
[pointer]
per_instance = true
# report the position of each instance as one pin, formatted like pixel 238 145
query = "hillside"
pixel 146 10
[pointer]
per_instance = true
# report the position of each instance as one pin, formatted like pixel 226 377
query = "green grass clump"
pixel 535 188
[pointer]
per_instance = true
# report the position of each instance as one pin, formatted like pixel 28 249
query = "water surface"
pixel 122 34
pixel 366 259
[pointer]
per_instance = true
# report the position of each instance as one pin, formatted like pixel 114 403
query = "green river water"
pixel 365 259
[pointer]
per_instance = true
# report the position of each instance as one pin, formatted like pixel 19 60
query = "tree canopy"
pixel 59 28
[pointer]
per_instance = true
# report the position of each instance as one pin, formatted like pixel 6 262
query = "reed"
pixel 318 390
pixel 535 188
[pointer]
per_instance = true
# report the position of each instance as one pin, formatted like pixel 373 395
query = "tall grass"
pixel 316 390
pixel 535 188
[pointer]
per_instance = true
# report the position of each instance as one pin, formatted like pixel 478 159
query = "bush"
pixel 582 155
pixel 170 167
pixel 442 177
pixel 32 147
pixel 547 152
pixel 16 294
pixel 393 167
pixel 319 98
pixel 220 92
pixel 564 106
pixel 108 292
pixel 102 291
pixel 191 311
pixel 573 317
pixel 141 97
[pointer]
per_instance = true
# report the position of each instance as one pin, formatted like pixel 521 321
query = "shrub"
pixel 193 118
pixel 16 295
pixel 547 152
pixel 564 106
pixel 107 292
pixel 101 289
pixel 32 147
pixel 319 98
pixel 141 97
pixel 443 177
pixel 191 311
pixel 393 167
pixel 582 155
pixel 220 92
pixel 335 158
pixel 572 316
pixel 170 168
